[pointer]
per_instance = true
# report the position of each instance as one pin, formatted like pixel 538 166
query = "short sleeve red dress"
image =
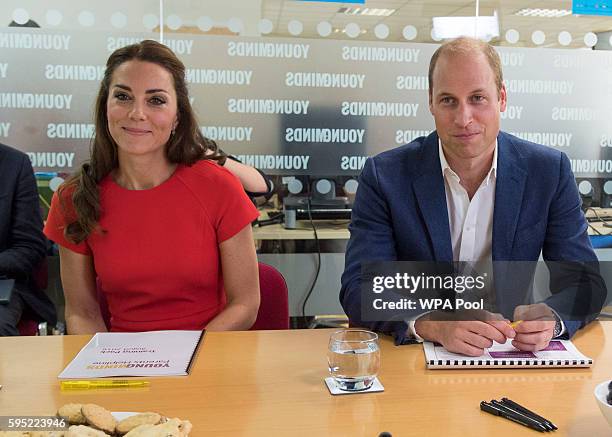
pixel 157 252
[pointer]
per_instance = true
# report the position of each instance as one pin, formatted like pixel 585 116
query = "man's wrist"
pixel 417 325
pixel 412 333
pixel 559 328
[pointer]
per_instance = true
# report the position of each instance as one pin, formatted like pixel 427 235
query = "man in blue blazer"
pixel 469 192
pixel 22 243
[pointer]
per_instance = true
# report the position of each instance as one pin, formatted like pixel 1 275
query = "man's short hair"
pixel 464 45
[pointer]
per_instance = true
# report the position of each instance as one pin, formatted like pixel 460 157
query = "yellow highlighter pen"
pixel 95 384
pixel 515 324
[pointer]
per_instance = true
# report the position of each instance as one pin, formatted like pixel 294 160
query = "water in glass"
pixel 353 358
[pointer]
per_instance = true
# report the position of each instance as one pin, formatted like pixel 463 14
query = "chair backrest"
pixel 27 325
pixel 273 309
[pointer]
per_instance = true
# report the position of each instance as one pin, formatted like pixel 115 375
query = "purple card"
pixel 512 354
pixel 555 346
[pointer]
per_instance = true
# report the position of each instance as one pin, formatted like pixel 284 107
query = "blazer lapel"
pixel 431 198
pixel 509 188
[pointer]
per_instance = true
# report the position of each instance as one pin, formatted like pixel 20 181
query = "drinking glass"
pixel 353 357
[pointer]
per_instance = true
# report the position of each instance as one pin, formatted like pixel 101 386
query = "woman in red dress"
pixel 152 221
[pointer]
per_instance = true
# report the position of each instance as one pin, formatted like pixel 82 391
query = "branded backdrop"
pixel 298 106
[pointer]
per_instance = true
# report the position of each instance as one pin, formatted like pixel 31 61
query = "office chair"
pixel 273 310
pixel 274 307
pixel 27 325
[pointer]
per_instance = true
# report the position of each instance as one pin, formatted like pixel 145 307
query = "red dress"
pixel 157 258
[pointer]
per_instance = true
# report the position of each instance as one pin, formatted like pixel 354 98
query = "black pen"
pixel 496 411
pixel 521 414
pixel 527 411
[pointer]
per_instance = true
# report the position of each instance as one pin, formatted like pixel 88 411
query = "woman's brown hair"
pixel 185 146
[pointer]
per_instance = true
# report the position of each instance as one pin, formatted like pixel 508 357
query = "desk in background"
pixel 596 218
pixel 270 383
pixel 299 267
pixel 326 230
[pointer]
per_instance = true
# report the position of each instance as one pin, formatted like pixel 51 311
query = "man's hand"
pixel 469 336
pixel 536 329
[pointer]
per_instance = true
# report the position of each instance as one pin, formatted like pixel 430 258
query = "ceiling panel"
pixel 419 13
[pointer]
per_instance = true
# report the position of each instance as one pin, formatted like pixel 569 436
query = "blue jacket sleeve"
pixel 578 290
pixel 371 239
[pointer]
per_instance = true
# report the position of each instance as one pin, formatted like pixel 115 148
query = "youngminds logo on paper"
pixel 126 364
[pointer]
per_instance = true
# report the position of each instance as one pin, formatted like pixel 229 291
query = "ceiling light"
pixel 543 13
pixel 376 12
pixel 482 27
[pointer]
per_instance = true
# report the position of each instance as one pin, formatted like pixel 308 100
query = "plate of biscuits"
pixel 91 420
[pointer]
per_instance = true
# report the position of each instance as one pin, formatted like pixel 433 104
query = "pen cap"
pixel 484 406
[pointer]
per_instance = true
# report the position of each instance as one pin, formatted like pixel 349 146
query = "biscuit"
pixel 129 423
pixel 47 433
pixel 140 431
pixel 99 418
pixel 168 429
pixel 84 431
pixel 185 428
pixel 73 413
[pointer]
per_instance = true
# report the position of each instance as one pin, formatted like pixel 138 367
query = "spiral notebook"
pixel 153 353
pixel 559 353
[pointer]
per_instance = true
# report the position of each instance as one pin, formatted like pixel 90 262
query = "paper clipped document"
pixel 559 353
pixel 154 353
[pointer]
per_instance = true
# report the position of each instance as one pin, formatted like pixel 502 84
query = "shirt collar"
pixel 447 171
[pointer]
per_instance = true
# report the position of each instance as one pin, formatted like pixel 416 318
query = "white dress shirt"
pixel 470 222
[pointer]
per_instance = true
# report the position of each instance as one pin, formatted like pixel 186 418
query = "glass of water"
pixel 353 357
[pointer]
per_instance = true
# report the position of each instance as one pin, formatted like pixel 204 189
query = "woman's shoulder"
pixel 211 185
pixel 209 172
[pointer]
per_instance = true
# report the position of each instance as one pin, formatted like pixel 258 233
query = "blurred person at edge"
pixel 152 221
pixel 22 243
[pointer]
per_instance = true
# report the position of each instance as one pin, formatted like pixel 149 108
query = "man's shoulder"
pixel 12 161
pixel 11 153
pixel 405 154
pixel 529 150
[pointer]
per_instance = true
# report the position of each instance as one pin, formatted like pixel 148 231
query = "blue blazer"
pixel 400 213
